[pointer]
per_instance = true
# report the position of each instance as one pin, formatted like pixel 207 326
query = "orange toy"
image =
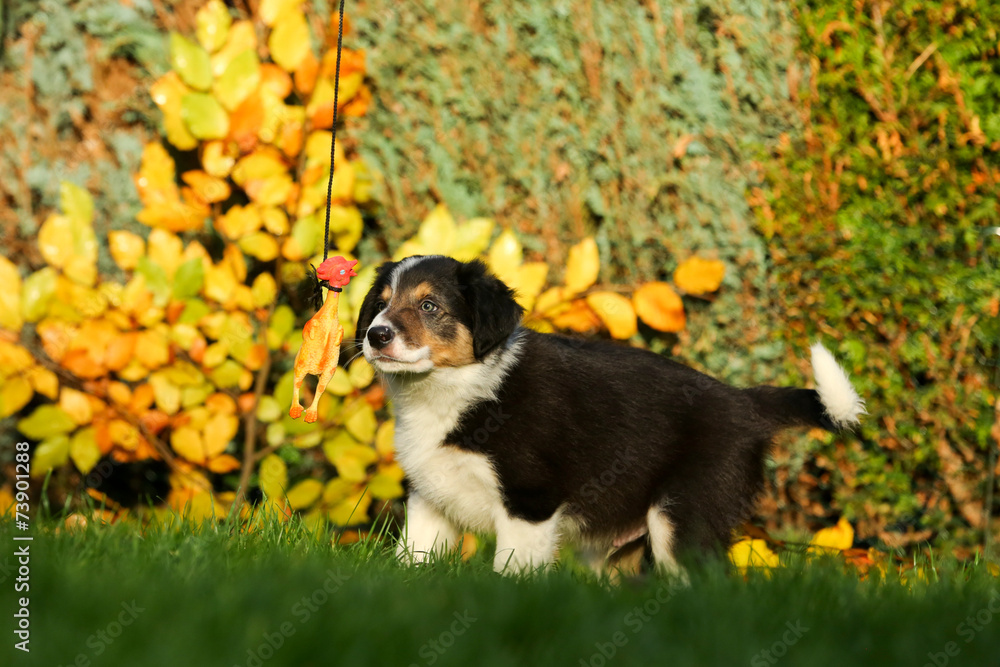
pixel 322 335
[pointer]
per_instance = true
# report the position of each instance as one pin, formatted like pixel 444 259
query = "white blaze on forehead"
pixel 402 267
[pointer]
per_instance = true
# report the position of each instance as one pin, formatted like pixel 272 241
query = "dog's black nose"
pixel 380 336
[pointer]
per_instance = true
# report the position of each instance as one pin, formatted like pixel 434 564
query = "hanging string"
pixel 333 140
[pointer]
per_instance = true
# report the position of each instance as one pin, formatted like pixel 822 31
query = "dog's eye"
pixel 380 306
pixel 428 306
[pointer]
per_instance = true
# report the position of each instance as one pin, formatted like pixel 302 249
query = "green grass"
pixel 211 598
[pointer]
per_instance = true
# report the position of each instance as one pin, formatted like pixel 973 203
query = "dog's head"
pixel 431 312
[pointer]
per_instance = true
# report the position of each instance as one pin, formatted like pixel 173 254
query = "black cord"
pixel 333 140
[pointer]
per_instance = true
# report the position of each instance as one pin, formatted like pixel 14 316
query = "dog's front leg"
pixel 525 545
pixel 427 532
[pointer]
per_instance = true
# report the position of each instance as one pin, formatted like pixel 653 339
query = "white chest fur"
pixel 462 485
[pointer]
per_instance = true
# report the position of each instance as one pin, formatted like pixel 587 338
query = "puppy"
pixel 543 439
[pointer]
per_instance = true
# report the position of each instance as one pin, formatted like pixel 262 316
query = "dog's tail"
pixel 833 405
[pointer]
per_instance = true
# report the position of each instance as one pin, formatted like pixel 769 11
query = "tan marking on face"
pixel 412 327
pixel 386 293
pixel 456 352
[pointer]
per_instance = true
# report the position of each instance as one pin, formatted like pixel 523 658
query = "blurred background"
pixel 718 180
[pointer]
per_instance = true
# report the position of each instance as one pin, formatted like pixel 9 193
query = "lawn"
pixel 283 595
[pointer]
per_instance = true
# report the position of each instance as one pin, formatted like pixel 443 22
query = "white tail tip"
pixel 842 403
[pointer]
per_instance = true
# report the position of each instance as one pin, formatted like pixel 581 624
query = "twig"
pixel 250 419
pixel 920 60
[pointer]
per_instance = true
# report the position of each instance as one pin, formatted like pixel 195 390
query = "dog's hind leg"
pixel 663 541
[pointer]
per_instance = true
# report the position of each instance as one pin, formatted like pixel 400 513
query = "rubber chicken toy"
pixel 322 335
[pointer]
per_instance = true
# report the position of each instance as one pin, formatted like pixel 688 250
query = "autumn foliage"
pixel 188 359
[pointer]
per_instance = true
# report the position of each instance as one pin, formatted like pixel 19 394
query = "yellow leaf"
pixel 37 293
pixel 209 189
pixel 70 244
pixel 191 62
pixel 289 40
pixel 361 373
pixel 76 404
pixel 270 11
pixel 835 538
pixel 273 476
pixel 15 392
pixel 218 158
pixel 659 306
pixel 437 232
pixel 242 36
pixel 167 93
pixel 699 276
pixel 583 265
pixel 359 420
pixel 83 449
pixel 752 553
pixel 352 510
pixel 384 487
pixel 187 442
pixel 352 462
pixel 10 297
pixel 472 238
pixel 44 381
pixel 126 248
pixel 166 393
pixel 304 494
pixel 505 256
pixel 212 23
pixel 346 226
pixel 340 383
pixel 384 439
pixel 259 245
pixel 155 180
pixel 528 281
pixel 264 290
pixel 616 312
pixel 219 431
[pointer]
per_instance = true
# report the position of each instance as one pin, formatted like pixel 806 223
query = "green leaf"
pixel 242 77
pixel 204 116
pixel 46 421
pixel 37 293
pixel 188 280
pixel 191 62
pixel 50 454
pixel 83 449
pixel 76 203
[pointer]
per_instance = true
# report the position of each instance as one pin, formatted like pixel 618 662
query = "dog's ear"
pixel 368 310
pixel 495 313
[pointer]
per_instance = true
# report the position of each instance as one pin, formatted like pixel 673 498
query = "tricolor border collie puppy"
pixel 542 439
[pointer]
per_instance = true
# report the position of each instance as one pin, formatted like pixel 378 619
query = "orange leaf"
pixel 275 80
pixel 578 317
pixel 223 463
pixel 658 305
pixel 699 276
